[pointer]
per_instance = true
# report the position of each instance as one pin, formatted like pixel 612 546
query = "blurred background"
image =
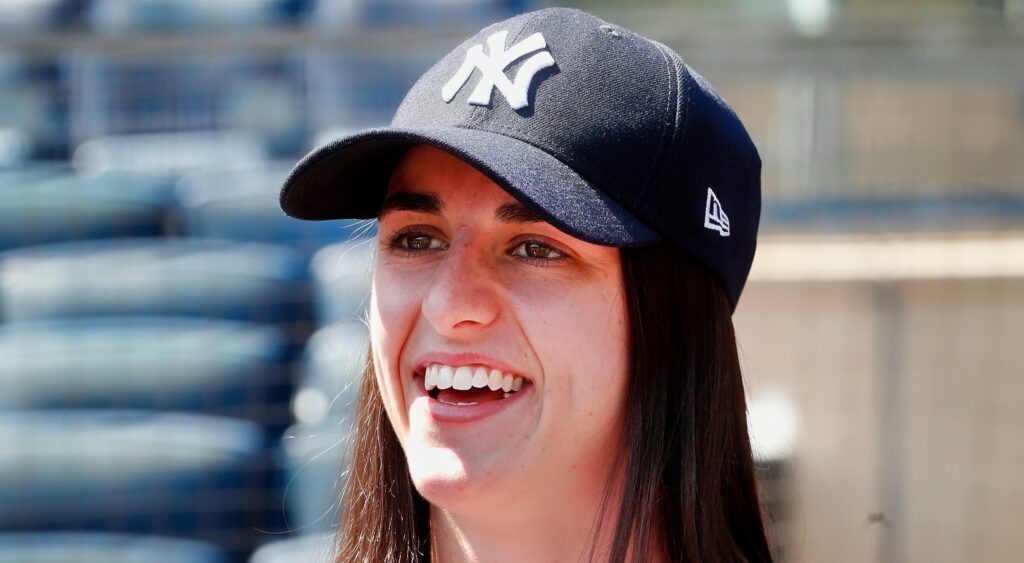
pixel 178 358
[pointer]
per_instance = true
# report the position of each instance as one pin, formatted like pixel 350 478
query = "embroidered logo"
pixel 714 216
pixel 493 67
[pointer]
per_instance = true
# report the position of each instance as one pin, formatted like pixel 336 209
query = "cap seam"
pixel 659 157
pixel 682 114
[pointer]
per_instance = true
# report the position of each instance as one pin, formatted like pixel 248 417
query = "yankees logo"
pixel 493 67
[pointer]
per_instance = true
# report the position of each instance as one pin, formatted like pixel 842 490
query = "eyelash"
pixel 395 245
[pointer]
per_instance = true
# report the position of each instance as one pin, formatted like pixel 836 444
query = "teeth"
pixel 463 378
pixel 445 374
pixel 494 380
pixel 430 381
pixel 480 378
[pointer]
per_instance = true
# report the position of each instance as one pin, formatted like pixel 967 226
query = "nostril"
pixel 466 323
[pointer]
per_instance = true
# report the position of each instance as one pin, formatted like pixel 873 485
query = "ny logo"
pixel 493 68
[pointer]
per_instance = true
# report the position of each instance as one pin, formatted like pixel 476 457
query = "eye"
pixel 420 242
pixel 412 242
pixel 535 250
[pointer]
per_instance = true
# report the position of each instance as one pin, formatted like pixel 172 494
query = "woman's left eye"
pixel 534 250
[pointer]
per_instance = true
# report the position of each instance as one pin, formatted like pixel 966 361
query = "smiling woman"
pixel 460 289
pixel 553 374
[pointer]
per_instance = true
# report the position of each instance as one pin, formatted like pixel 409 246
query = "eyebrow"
pixel 411 201
pixel 516 213
pixel 418 202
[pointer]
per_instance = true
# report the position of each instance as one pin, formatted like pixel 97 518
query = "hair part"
pixel 688 490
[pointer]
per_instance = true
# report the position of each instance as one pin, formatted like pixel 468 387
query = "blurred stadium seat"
pixel 72 207
pixel 30 171
pixel 355 88
pixel 242 204
pixel 208 366
pixel 31 123
pixel 171 474
pixel 125 16
pixel 177 277
pixel 233 106
pixel 168 153
pixel 341 279
pixel 332 372
pixel 334 14
pixel 95 547
pixel 314 451
pixel 27 16
pixel 303 549
pixel 14 147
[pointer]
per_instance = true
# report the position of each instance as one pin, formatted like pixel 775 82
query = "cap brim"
pixel 348 177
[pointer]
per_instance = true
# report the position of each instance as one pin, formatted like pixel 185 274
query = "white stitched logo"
pixel 714 216
pixel 493 68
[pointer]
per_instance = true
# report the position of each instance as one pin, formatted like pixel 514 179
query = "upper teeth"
pixel 464 378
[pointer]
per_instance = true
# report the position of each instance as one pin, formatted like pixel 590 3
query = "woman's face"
pixel 467 276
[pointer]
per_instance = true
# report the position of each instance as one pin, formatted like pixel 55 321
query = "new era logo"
pixel 493 67
pixel 714 216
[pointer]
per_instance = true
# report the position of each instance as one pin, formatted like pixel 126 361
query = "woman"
pixel 568 214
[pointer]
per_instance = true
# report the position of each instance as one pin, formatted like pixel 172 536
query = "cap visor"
pixel 348 177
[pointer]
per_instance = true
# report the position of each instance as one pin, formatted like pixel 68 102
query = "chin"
pixel 445 480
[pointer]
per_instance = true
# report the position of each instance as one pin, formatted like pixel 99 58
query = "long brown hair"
pixel 688 470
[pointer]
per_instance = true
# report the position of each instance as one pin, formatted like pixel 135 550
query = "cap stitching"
pixel 681 118
pixel 659 161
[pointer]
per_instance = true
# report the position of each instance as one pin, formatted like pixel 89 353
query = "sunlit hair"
pixel 687 471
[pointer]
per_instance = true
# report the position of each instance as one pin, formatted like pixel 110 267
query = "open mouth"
pixel 469 385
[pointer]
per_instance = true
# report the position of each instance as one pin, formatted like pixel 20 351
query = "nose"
pixel 463 296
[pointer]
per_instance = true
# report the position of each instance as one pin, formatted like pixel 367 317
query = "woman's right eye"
pixel 416 242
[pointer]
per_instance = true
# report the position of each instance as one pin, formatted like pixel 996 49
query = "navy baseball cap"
pixel 608 135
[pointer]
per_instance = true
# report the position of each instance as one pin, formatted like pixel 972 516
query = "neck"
pixel 554 530
pixel 550 535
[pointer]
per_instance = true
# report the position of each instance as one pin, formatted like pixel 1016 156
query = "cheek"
pixel 392 314
pixel 582 343
pixel 394 305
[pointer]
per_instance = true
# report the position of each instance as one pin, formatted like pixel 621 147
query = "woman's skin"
pixel 456 284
